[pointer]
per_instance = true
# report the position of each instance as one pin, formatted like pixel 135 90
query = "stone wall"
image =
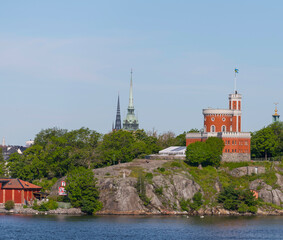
pixel 236 157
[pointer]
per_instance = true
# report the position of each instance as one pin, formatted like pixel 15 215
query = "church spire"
pixel 131 122
pixel 118 116
pixel 131 100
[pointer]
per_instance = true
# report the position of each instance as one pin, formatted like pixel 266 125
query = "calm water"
pixel 88 227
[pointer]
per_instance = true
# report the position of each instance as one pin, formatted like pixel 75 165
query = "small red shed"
pixel 17 190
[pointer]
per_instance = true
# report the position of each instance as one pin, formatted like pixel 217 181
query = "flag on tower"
pixel 236 70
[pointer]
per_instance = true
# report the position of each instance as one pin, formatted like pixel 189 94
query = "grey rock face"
pixel 242 171
pixel 267 193
pixel 119 194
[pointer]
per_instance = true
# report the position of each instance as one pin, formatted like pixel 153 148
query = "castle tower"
pixel 131 122
pixel 275 116
pixel 118 116
pixel 226 124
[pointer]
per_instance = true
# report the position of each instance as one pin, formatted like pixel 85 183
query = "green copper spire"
pixel 131 123
pixel 131 100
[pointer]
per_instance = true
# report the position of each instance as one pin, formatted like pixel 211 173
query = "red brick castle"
pixel 226 124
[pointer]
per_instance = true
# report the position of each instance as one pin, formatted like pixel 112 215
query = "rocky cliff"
pixel 167 183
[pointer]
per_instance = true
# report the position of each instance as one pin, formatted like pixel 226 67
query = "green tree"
pixel 264 143
pixel 215 148
pixel 82 190
pixel 2 164
pixel 181 139
pixel 194 130
pixel 238 199
pixel 205 153
pixel 197 153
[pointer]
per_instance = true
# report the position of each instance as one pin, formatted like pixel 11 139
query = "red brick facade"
pixel 225 124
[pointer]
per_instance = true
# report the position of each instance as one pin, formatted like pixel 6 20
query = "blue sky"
pixel 63 62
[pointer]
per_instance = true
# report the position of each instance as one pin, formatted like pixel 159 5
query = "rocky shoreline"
pixel 58 211
pixel 201 212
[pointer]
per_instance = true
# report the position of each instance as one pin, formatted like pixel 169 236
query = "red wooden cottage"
pixel 17 190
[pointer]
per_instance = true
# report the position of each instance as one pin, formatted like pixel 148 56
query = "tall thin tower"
pixel 118 116
pixel 131 122
pixel 275 116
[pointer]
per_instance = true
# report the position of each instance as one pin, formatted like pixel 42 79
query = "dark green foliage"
pixel 243 208
pixel 149 177
pixel 159 190
pixel 161 169
pixel 45 206
pixel 197 201
pixel 3 169
pixel 252 209
pixel 9 205
pixel 123 146
pixel 184 205
pixel 82 190
pixel 181 139
pixel 194 130
pixel 195 204
pixel 205 153
pixel 237 199
pixel 268 141
pixel 55 152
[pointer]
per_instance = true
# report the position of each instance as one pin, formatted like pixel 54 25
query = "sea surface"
pixel 141 227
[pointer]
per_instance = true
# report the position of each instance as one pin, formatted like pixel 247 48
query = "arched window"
pixel 223 128
pixel 212 128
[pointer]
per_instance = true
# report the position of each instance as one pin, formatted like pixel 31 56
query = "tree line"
pixel 57 151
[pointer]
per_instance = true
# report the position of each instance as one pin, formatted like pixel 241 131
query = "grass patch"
pixel 135 171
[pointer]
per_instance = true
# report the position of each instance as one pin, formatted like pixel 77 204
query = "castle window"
pixel 212 128
pixel 212 119
pixel 223 119
pixel 223 128
pixel 228 141
pixel 228 150
pixel 232 150
pixel 225 150
pixel 233 142
pixel 230 128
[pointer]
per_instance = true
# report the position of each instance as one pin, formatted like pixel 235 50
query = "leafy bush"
pixel 206 153
pixel 149 176
pixel 45 206
pixel 25 206
pixel 197 201
pixel 238 199
pixel 194 205
pixel 161 169
pixel 9 205
pixel 252 209
pixel 82 190
pixel 184 205
pixel 243 208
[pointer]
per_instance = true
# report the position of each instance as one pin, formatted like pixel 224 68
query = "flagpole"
pixel 235 80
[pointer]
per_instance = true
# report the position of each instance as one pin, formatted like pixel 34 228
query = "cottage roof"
pixel 15 183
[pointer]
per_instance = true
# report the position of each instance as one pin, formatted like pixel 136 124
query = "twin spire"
pixel 130 123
